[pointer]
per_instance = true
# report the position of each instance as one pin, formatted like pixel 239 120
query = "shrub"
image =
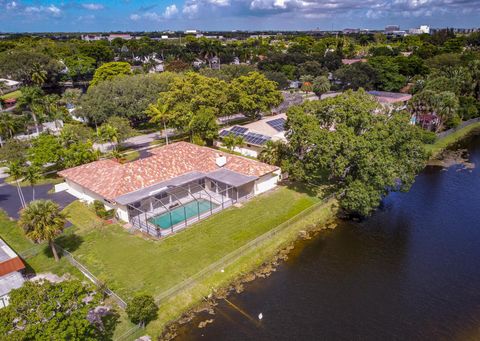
pixel 100 210
pixel 142 309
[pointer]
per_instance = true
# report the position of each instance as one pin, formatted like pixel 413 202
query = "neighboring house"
pixel 9 85
pixel 178 185
pixel 396 100
pixel 353 61
pixel 198 63
pixel 257 134
pixel 121 36
pixel 11 268
pixel 215 63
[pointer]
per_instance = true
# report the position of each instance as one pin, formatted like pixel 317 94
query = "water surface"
pixel 410 272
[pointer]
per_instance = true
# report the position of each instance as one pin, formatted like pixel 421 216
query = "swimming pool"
pixel 179 214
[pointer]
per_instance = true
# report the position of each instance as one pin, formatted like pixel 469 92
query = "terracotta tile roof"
pixel 111 179
pixel 11 265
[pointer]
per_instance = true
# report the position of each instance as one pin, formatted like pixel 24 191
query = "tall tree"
pixel 257 94
pixel 346 141
pixel 32 175
pixel 15 170
pixel 109 71
pixel 160 113
pixel 39 75
pixel 42 220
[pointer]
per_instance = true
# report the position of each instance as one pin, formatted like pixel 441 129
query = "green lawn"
pixel 38 258
pixel 440 144
pixel 132 263
pixel 14 94
pixel 51 178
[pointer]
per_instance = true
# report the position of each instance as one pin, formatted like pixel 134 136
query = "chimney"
pixel 221 160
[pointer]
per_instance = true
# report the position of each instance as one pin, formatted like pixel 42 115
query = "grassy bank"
pixel 174 307
pixel 133 263
pixel 442 143
pixel 15 94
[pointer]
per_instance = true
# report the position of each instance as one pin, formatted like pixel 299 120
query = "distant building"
pixel 423 29
pixel 353 61
pixel 9 85
pixel 121 36
pixel 11 267
pixel 92 37
pixel 191 31
pixel 215 63
pixel 351 30
pixel 391 28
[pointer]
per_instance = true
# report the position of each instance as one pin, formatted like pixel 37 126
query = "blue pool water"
pixel 189 210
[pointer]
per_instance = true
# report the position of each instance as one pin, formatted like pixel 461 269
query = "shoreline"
pixel 202 297
pixel 258 262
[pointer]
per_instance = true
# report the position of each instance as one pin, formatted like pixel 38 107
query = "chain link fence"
pixel 460 126
pixel 238 253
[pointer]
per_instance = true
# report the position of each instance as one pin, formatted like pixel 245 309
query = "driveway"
pixel 10 202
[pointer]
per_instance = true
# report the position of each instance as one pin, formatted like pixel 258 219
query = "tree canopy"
pixel 340 141
pixel 66 310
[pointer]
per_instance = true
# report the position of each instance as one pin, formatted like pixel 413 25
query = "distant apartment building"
pixel 391 28
pixel 423 29
pixel 120 36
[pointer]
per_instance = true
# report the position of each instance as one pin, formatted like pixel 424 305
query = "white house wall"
pixel 89 197
pixel 267 182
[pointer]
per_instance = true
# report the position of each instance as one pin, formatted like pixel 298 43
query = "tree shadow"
pixel 69 242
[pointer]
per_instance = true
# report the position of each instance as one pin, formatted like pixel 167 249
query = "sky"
pixel 148 15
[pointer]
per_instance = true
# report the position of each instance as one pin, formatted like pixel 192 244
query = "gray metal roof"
pixel 6 252
pixel 157 188
pixel 10 281
pixel 230 178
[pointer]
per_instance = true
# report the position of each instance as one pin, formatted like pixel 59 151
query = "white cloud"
pixel 51 9
pixel 135 17
pixel 190 10
pixel 93 7
pixel 11 5
pixel 170 11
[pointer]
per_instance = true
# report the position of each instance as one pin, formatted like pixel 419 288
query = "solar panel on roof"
pixel 225 133
pixel 239 129
pixel 257 139
pixel 277 124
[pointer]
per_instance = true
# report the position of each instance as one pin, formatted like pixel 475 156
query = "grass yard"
pixel 439 145
pixel 14 94
pixel 132 263
pixel 51 178
pixel 38 258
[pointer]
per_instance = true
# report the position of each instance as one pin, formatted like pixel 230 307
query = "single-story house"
pixel 176 186
pixel 353 61
pixel 392 100
pixel 11 268
pixel 9 85
pixel 257 134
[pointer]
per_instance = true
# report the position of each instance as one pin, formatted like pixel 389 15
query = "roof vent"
pixel 221 161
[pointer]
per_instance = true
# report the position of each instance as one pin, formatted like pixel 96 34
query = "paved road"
pixel 10 202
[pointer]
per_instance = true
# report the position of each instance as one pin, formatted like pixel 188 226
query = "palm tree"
pixel 32 175
pixel 42 220
pixel 15 170
pixel 38 75
pixel 159 113
pixel 108 133
pixel 7 126
pixel 32 99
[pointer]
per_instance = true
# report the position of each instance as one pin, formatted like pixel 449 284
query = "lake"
pixel 409 272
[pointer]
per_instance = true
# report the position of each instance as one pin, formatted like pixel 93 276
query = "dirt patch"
pixel 450 158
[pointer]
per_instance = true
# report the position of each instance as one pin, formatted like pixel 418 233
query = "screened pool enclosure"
pixel 172 206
